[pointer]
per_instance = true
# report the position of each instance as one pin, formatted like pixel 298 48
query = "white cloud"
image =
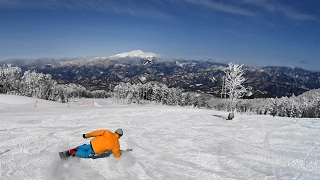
pixel 114 6
pixel 235 7
pixel 150 9
pixel 223 7
pixel 288 11
pixel 12 4
pixel 291 13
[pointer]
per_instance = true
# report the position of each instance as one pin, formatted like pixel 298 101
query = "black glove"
pixel 84 136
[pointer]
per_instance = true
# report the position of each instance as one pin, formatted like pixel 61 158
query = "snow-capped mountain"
pixel 136 54
pixel 132 57
pixel 190 75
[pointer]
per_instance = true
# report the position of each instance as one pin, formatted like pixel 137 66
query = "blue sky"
pixel 249 32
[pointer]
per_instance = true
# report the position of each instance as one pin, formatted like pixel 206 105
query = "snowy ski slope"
pixel 167 142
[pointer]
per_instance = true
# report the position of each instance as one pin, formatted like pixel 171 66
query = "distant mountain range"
pixel 190 75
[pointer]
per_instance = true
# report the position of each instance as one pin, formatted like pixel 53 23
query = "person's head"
pixel 120 132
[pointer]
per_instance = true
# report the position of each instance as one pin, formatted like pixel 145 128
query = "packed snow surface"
pixel 166 142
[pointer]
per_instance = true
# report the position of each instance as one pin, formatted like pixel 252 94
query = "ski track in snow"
pixel 167 143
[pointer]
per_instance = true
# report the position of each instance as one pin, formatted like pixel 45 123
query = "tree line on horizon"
pixel 38 85
pixel 42 86
pixel 306 105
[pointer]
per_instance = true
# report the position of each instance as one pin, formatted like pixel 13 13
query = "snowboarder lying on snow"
pixel 102 142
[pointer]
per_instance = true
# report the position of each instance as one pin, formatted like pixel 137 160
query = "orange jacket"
pixel 104 141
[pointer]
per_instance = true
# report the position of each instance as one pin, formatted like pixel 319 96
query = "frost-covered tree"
pixel 122 90
pixel 165 95
pixel 233 83
pixel 35 84
pixel 175 96
pixel 9 78
pixel 152 91
pixel 156 93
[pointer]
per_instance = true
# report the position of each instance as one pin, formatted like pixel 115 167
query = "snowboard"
pixel 64 154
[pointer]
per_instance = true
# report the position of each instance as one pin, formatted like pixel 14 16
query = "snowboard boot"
pixel 72 152
pixel 68 154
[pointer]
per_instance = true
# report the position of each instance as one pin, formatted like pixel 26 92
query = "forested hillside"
pixel 39 85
